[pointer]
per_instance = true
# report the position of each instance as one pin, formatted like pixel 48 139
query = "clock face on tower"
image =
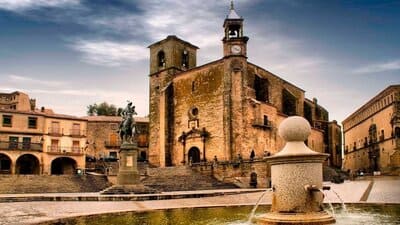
pixel 236 49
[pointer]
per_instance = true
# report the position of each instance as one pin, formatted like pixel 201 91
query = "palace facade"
pixel 372 134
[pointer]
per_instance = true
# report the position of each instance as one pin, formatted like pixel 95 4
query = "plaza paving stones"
pixel 384 190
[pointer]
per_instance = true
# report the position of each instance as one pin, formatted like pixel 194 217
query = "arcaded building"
pixel 372 134
pixel 40 141
pixel 223 108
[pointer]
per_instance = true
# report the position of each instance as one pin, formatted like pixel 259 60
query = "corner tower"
pixel 234 41
pixel 168 58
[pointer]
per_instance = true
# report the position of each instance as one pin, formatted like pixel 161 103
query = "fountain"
pixel 296 174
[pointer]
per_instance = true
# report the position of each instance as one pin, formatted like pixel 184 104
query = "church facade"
pixel 224 109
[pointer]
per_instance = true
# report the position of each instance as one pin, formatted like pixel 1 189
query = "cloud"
pixel 109 53
pixel 22 5
pixel 378 67
pixel 29 80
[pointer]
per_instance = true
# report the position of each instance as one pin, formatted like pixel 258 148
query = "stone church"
pixel 224 109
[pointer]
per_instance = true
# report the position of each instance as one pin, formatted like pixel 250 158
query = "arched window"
pixel 193 86
pixel 308 112
pixel 261 87
pixel 234 31
pixel 185 59
pixel 288 103
pixel 397 132
pixel 161 58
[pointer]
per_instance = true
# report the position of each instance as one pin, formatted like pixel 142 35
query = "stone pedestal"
pixel 128 173
pixel 128 178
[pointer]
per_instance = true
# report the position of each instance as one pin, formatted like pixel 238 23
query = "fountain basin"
pixel 365 214
pixel 313 218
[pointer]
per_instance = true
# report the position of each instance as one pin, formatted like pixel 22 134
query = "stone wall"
pixel 102 138
pixel 237 172
pixel 198 104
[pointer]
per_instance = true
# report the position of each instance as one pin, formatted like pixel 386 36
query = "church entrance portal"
pixel 194 155
pixel 63 165
pixel 27 164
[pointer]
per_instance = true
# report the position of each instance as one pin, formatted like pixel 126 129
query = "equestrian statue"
pixel 127 127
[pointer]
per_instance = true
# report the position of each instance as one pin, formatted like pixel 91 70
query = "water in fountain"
pixel 253 211
pixel 341 200
pixel 329 202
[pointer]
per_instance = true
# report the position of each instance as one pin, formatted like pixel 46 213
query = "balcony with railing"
pixel 263 124
pixel 77 133
pixel 112 144
pixel 63 150
pixel 21 146
pixel 55 131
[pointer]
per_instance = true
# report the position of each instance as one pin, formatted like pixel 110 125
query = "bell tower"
pixel 235 44
pixel 172 53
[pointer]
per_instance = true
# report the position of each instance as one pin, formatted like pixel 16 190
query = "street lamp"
pixel 182 139
pixel 204 135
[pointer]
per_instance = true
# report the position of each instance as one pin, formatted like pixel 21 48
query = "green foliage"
pixel 103 109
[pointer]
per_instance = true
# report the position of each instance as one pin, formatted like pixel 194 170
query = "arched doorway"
pixel 143 156
pixel 5 164
pixel 63 165
pixel 194 155
pixel 27 164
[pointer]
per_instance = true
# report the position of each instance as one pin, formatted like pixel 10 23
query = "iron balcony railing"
pixel 112 144
pixel 25 146
pixel 77 133
pixel 64 149
pixel 263 124
pixel 54 131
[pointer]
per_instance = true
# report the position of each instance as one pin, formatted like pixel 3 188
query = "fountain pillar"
pixel 296 174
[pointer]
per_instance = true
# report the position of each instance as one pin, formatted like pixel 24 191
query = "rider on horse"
pixel 127 126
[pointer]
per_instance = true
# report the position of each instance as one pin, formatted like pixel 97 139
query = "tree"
pixel 103 109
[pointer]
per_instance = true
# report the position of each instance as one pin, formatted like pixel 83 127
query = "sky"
pixel 68 54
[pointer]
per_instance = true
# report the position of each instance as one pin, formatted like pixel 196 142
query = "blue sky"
pixel 71 53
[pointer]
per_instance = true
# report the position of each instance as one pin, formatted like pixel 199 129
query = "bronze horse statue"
pixel 127 127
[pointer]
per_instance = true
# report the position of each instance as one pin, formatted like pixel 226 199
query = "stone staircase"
pixel 19 184
pixel 182 178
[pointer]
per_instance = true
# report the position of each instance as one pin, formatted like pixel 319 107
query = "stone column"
pixel 128 173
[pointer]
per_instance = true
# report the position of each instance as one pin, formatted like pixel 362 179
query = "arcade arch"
pixel 5 164
pixel 27 164
pixel 63 165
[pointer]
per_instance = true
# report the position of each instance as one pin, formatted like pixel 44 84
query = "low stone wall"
pixel 237 172
pixel 20 184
